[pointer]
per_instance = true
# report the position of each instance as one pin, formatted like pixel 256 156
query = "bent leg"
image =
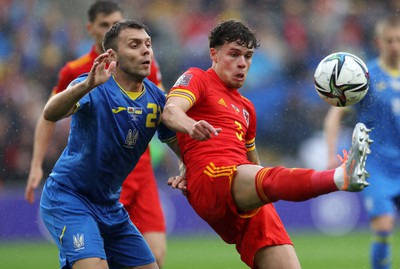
pixel 277 257
pixel 254 186
pixel 294 184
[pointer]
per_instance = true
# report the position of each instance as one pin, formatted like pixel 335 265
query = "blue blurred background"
pixel 38 36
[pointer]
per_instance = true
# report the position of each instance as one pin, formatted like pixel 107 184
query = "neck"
pixel 129 85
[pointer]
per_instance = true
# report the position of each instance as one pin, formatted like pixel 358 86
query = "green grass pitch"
pixel 314 251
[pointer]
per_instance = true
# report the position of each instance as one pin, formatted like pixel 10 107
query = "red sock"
pixel 296 184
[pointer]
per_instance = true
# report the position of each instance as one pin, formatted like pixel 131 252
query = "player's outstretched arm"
pixel 332 125
pixel 252 156
pixel 178 182
pixel 63 104
pixel 174 117
pixel 43 132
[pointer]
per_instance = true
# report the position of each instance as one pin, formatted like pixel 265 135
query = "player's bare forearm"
pixel 63 104
pixel 44 131
pixel 175 148
pixel 178 182
pixel 175 118
pixel 252 156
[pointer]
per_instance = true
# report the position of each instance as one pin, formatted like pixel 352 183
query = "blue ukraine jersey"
pixel 109 133
pixel 380 109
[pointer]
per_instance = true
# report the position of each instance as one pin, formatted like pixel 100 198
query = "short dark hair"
pixel 233 31
pixel 105 7
pixel 112 34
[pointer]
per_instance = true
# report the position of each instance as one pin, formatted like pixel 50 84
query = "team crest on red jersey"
pixel 246 116
pixel 183 80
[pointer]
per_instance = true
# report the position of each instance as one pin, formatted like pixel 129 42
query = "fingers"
pixel 101 70
pixel 177 182
pixel 102 60
pixel 30 189
pixel 174 181
pixel 170 181
pixel 104 56
pixel 29 195
pixel 202 130
pixel 111 67
pixel 34 178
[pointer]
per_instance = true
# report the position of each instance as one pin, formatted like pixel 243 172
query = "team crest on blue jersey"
pixel 79 241
pixel 246 116
pixel 134 112
pixel 131 138
pixel 183 80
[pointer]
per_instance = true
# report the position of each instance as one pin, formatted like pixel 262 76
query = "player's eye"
pixel 104 25
pixel 248 56
pixel 133 45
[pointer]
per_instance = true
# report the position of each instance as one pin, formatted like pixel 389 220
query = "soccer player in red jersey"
pixel 139 191
pixel 225 183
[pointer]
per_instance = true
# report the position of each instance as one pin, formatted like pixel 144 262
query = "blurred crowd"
pixel 38 36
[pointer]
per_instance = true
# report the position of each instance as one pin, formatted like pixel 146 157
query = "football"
pixel 341 79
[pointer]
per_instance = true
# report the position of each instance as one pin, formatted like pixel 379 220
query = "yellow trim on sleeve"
pixel 188 95
pixel 169 140
pixel 251 144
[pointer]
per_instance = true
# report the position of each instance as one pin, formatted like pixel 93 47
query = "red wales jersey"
pixel 211 100
pixel 75 68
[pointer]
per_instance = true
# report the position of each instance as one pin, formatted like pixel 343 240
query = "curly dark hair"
pixel 110 39
pixel 233 31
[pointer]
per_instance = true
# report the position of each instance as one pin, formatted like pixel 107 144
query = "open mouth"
pixel 239 76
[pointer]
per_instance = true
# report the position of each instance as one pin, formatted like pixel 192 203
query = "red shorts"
pixel 209 193
pixel 140 197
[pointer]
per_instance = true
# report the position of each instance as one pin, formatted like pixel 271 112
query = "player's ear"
pixel 89 28
pixel 213 54
pixel 113 55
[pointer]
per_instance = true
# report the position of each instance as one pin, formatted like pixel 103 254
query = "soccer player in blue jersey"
pixel 115 113
pixel 379 109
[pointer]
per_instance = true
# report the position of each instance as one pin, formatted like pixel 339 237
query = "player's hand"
pixel 202 130
pixel 34 178
pixel 100 73
pixel 178 182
